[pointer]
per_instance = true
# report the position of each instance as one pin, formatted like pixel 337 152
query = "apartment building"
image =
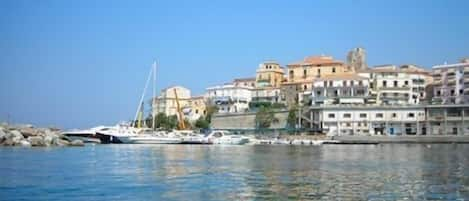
pixel 340 89
pixel 166 102
pixel 337 120
pixel 451 83
pixel 269 74
pixel 300 75
pixel 230 98
pixel 397 85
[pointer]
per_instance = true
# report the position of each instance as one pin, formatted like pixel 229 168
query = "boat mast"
pixel 141 100
pixel 153 100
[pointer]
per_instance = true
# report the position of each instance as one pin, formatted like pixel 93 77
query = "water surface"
pixel 194 172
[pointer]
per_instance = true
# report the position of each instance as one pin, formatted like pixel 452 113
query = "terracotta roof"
pixel 317 60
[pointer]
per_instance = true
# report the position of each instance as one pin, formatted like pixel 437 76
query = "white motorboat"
pixel 86 135
pixel 223 137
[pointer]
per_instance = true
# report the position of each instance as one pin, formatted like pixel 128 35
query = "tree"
pixel 202 123
pixel 265 117
pixel 211 109
pixel 291 119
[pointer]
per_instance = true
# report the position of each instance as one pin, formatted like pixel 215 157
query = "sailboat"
pixel 136 133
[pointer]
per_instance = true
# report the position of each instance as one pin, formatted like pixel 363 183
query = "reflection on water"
pixel 175 172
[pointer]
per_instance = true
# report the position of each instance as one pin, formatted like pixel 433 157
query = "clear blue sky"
pixel 84 63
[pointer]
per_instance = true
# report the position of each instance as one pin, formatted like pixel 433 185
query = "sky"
pixel 78 64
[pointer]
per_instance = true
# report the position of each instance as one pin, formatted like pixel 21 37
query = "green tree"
pixel 202 123
pixel 211 109
pixel 265 117
pixel 291 119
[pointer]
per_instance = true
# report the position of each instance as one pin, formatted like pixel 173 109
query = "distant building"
pixel 340 89
pixel 229 98
pixel 451 83
pixel 266 95
pixel 269 74
pixel 166 102
pixel 301 75
pixel 245 82
pixel 356 59
pixel 195 108
pixel 362 120
pixel 398 85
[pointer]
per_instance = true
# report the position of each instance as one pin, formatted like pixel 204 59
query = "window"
pixel 347 115
pixel 197 111
pixel 291 74
pixel 438 93
pixel 362 115
pixel 384 83
pixel 305 87
pixel 319 71
pixel 331 115
pixel 318 93
pixel 325 83
pixel 406 83
pixel 331 84
pixel 333 70
pixel 379 115
pixel 344 83
pixel 411 115
pixel 394 115
pixel 304 73
pixel 371 85
pixel 360 83
pixel 395 83
pixel 351 82
pixel 336 93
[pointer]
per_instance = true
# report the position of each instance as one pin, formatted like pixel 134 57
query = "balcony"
pixel 395 88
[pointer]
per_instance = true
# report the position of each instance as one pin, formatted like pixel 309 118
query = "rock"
pixel 15 136
pixel 27 131
pixel 77 143
pixel 36 141
pixel 2 135
pixel 25 143
pixel 61 142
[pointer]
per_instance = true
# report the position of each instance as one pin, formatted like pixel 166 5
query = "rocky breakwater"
pixel 29 136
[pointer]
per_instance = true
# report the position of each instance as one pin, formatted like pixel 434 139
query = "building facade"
pixel 340 89
pixel 230 98
pixel 166 103
pixel 300 76
pixel 397 85
pixel 451 83
pixel 369 120
pixel 269 74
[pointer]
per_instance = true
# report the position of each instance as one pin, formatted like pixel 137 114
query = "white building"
pixel 266 95
pixel 451 83
pixel 340 89
pixel 230 98
pixel 391 85
pixel 369 120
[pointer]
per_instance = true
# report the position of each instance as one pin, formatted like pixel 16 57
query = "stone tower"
pixel 356 59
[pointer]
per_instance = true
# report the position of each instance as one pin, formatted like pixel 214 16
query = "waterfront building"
pixel 398 85
pixel 230 98
pixel 301 75
pixel 339 120
pixel 166 102
pixel 356 59
pixel 451 83
pixel 269 74
pixel 340 89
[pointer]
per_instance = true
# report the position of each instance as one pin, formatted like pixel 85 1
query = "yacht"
pixel 224 137
pixel 86 135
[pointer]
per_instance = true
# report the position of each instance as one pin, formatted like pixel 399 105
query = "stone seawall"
pixel 245 121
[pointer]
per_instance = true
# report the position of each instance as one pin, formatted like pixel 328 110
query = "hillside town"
pixel 319 94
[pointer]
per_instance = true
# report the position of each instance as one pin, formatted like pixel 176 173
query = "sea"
pixel 234 172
